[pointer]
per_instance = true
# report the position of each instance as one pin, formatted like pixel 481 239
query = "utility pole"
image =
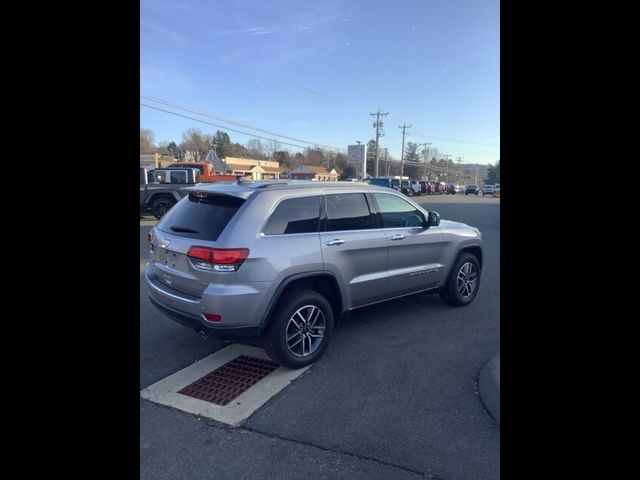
pixel 404 129
pixel 459 169
pixel 426 157
pixel 446 159
pixel 378 126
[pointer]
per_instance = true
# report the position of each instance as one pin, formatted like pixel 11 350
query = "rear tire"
pixel 463 282
pixel 161 205
pixel 300 329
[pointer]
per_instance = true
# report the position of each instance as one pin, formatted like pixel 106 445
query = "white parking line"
pixel 165 392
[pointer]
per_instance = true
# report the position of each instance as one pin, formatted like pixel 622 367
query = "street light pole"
pixel 386 160
pixel 404 130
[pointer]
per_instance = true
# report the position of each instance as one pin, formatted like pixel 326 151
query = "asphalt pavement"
pixel 395 395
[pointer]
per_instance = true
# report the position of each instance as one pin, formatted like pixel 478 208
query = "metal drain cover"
pixel 230 380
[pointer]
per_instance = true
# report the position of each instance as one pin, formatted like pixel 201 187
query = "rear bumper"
pixel 240 305
pixel 200 325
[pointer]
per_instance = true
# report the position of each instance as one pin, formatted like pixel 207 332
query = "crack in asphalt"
pixel 354 455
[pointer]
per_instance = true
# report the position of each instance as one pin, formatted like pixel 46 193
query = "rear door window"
pixel 348 211
pixel 295 215
pixel 200 215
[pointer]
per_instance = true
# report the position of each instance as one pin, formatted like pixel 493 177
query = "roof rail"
pixel 271 184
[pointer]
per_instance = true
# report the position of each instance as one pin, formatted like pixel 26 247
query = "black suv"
pixel 473 189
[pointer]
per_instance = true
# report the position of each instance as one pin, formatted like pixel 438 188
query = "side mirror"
pixel 434 219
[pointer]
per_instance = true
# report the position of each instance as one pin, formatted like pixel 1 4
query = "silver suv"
pixel 283 261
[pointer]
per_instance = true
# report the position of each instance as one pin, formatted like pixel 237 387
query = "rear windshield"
pixel 200 215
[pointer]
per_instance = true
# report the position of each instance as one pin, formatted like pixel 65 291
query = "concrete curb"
pixel 489 387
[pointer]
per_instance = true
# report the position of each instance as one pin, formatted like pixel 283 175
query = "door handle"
pixel 398 237
pixel 337 241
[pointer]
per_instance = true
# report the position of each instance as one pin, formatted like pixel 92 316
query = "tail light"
pixel 218 259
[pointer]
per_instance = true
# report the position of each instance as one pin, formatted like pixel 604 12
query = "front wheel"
pixel 300 329
pixel 463 282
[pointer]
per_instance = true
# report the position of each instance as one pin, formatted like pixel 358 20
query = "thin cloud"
pixel 252 32
pixel 165 31
pixel 445 68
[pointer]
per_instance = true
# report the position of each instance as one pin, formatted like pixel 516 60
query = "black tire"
pixel 161 205
pixel 280 327
pixel 451 292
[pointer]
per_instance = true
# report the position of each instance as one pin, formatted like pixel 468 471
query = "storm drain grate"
pixel 230 380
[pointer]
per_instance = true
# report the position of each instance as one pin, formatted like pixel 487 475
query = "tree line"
pixel 199 144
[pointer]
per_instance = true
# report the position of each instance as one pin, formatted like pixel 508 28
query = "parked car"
pixel 406 188
pixel 161 189
pixel 283 261
pixel 415 187
pixel 488 190
pixel 471 189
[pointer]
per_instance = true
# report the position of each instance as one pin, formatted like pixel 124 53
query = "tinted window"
pixel 295 215
pixel 397 212
pixel 348 211
pixel 200 215
pixel 178 177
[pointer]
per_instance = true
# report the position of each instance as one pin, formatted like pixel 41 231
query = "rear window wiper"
pixel 183 229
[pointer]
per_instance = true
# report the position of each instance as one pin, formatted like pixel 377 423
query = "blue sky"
pixel 314 70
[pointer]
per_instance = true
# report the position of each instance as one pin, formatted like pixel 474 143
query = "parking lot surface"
pixel 395 395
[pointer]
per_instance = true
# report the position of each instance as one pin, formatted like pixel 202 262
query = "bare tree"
pixel 162 148
pixel 273 147
pixel 255 148
pixel 194 140
pixel 147 138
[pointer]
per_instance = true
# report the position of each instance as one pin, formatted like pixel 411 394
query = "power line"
pixel 456 140
pixel 215 125
pixel 378 126
pixel 233 122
